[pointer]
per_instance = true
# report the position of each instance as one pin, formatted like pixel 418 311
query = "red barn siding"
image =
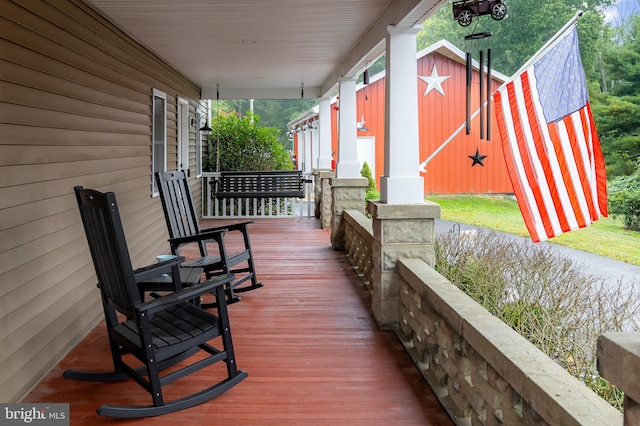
pixel 450 171
pixel 370 102
pixel 335 114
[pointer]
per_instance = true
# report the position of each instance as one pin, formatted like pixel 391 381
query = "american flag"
pixel 550 142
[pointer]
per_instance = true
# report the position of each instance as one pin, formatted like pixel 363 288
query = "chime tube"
pixel 469 75
pixel 481 72
pixel 489 81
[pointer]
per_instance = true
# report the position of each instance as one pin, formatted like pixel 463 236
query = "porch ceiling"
pixel 266 48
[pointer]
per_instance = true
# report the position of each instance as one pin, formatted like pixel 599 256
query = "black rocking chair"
pixel 160 332
pixel 183 226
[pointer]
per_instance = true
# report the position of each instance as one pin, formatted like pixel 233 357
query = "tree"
pixel 274 113
pixel 617 108
pixel 516 38
pixel 244 145
pixel 618 123
pixel 277 113
pixel 372 190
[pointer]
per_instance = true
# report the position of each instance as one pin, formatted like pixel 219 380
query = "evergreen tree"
pixel 372 190
pixel 617 109
pixel 277 113
pixel 517 37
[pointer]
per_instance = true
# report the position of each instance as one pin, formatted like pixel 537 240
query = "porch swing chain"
pixel 216 180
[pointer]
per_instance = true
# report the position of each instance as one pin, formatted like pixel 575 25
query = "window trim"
pixel 162 95
pixel 182 141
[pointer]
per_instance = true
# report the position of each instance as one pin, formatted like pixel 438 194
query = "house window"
pixel 159 137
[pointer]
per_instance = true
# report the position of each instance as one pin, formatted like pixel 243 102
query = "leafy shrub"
pixel 624 199
pixel 372 191
pixel 244 146
pixel 543 296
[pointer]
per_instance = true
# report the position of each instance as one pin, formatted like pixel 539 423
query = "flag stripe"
pixel 521 170
pixel 588 158
pixel 562 144
pixel 555 211
pixel 598 173
pixel 580 151
pixel 503 115
pixel 519 97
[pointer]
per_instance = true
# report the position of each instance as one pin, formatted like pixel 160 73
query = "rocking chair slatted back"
pixel 180 212
pixel 183 227
pixel 182 217
pixel 113 269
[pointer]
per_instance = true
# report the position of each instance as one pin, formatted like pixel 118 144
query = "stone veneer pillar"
pixel 323 196
pixel 347 194
pixel 400 231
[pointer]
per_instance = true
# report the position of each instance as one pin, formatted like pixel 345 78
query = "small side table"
pixel 188 277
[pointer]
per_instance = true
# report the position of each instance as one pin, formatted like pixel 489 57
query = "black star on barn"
pixel 477 159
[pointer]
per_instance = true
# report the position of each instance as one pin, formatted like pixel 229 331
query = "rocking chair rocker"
pixel 159 333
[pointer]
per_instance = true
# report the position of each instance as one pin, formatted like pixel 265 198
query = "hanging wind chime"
pixel 463 12
pixel 484 93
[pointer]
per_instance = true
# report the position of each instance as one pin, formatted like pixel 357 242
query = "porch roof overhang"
pixel 266 49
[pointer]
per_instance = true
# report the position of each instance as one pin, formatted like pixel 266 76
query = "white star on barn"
pixel 434 81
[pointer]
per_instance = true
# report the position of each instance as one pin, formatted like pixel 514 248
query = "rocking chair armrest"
pixel 217 234
pixel 240 226
pixel 156 269
pixel 186 294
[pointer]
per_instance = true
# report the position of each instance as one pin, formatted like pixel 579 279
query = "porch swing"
pixel 254 184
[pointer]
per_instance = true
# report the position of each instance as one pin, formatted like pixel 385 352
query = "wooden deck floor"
pixel 312 350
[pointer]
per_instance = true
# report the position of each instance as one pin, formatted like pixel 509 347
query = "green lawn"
pixel 606 237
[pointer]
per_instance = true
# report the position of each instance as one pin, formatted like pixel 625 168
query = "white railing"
pixel 256 207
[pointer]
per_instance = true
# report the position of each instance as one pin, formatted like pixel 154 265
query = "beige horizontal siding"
pixel 43 154
pixel 16 135
pixel 38 78
pixel 75 109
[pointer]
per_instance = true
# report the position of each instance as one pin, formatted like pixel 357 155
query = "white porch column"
pixel 315 145
pixel 324 132
pixel 403 222
pixel 348 165
pixel 300 151
pixel 401 182
pixel 308 162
